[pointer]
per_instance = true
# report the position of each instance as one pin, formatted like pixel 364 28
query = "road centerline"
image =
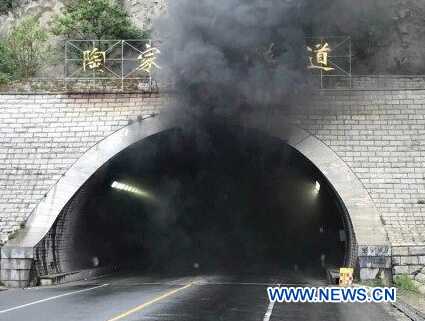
pixel 146 304
pixel 52 298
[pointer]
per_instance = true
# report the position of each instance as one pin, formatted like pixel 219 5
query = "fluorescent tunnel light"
pixel 130 189
pixel 317 187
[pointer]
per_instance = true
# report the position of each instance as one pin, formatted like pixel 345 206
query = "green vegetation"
pixel 95 19
pixel 404 282
pixel 27 47
pixel 5 68
pixel 23 51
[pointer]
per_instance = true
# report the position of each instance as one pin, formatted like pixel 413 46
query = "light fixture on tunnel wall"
pixel 317 187
pixel 130 189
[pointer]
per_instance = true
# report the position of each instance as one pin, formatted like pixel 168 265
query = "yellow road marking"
pixel 144 305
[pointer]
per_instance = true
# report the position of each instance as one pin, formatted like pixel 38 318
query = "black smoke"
pixel 234 55
pixel 241 54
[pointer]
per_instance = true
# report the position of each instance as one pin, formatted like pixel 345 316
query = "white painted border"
pixel 52 298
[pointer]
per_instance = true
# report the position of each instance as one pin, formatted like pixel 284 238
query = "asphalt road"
pixel 211 298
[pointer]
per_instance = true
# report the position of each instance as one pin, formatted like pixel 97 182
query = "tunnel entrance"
pixel 210 199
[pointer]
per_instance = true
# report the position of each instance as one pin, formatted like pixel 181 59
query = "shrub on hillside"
pixel 95 19
pixel 5 70
pixel 25 48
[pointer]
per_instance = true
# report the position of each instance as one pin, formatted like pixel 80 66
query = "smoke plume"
pixel 238 54
pixel 234 54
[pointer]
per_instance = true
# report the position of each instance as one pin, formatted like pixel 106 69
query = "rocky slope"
pixel 141 11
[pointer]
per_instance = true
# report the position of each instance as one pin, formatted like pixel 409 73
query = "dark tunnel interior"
pixel 220 199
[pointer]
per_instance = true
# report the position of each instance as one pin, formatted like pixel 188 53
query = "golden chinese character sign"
pixel 346 276
pixel 319 58
pixel 147 59
pixel 94 59
pixel 330 58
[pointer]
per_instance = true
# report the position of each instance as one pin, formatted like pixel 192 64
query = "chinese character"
pixel 94 59
pixel 321 59
pixel 147 59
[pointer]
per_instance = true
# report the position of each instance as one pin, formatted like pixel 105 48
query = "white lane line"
pixel 269 311
pixel 254 283
pixel 52 298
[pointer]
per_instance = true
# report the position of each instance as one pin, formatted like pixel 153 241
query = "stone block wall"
pixel 408 259
pixel 18 267
pixel 41 136
pixel 379 133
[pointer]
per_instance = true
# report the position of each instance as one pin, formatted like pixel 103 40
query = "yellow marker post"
pixel 346 276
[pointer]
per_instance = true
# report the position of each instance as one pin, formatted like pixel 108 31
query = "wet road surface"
pixel 208 298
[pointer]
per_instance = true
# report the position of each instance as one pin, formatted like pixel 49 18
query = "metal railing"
pixel 120 70
pixel 112 65
pixel 115 66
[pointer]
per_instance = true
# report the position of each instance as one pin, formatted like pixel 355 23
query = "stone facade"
pixel 378 133
pixel 43 135
pixel 410 260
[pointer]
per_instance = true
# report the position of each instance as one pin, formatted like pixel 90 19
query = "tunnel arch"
pixel 362 216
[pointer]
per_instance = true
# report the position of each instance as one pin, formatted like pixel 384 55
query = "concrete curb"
pixel 87 274
pixel 409 311
pixel 404 308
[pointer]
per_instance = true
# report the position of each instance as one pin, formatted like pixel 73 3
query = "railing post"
pixel 122 65
pixel 65 67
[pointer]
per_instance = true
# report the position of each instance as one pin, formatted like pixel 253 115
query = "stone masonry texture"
pixel 41 136
pixel 380 134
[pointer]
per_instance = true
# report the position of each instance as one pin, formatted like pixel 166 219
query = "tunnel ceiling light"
pixel 130 189
pixel 317 187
